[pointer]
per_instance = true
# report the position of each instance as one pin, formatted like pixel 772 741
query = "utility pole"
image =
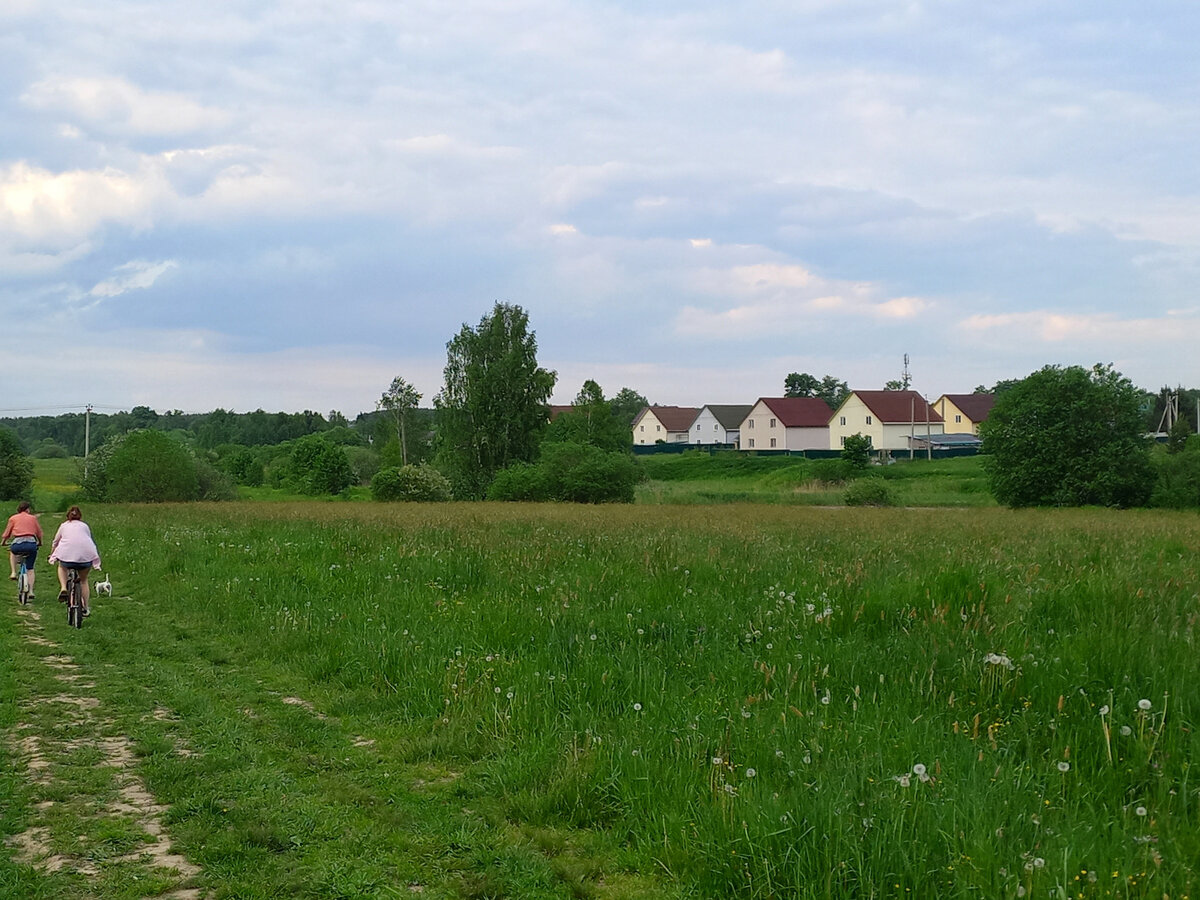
pixel 87 435
pixel 912 416
pixel 928 435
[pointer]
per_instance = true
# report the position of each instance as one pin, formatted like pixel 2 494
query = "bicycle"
pixel 23 593
pixel 74 598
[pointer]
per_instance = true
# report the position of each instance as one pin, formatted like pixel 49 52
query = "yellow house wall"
pixel 756 427
pixel 648 430
pixel 949 411
pixel 851 418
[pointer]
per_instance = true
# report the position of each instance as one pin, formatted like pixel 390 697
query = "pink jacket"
pixel 73 543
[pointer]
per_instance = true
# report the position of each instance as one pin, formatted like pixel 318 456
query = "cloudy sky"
pixel 283 205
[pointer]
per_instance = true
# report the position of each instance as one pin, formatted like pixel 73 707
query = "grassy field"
pixel 732 477
pixel 753 700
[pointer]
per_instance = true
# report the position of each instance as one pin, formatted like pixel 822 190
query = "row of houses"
pixel 893 420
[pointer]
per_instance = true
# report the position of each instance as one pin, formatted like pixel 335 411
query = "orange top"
pixel 23 524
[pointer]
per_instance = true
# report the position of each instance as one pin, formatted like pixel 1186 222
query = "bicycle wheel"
pixel 23 585
pixel 74 602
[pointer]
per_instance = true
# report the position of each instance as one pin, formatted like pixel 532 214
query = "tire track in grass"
pixel 93 817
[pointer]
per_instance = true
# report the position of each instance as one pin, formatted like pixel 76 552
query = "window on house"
pixel 957 419
pixel 751 442
pixel 643 427
pixel 843 440
pixel 714 426
pixel 658 428
pixel 868 420
pixel 697 426
pixel 843 422
pixel 750 424
pixel 772 423
pixel 772 442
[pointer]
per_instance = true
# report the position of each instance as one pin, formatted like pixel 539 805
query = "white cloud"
pixel 114 103
pixel 785 298
pixel 1098 330
pixel 135 275
pixel 37 205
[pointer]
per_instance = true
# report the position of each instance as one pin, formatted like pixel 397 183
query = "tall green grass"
pixel 730 477
pixel 756 701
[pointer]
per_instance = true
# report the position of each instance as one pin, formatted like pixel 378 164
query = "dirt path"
pixel 93 816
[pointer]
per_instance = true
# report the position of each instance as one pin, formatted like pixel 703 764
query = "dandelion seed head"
pixel 750 773
pixel 919 769
pixel 716 760
pixel 1104 710
pixel 1126 731
pixel 1064 766
pixel 637 707
pixel 1141 811
pixel 1144 704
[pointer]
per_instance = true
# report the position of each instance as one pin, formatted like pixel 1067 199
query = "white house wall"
pixel 707 430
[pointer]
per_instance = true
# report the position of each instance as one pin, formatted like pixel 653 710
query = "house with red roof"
pixel 962 413
pixel 670 424
pixel 889 418
pixel 786 423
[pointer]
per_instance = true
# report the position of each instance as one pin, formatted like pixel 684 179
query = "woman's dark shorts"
pixel 27 549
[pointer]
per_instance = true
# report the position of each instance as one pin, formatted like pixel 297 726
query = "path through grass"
pixel 345 700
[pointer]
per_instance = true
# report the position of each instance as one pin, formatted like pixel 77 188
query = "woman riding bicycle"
pixel 23 536
pixel 73 548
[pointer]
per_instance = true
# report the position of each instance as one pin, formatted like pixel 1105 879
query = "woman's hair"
pixel 73 513
pixel 23 506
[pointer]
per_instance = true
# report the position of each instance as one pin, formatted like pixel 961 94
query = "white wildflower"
pixel 1144 704
pixel 1064 766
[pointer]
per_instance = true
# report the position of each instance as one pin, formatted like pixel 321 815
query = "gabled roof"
pixel 730 417
pixel 891 407
pixel 673 418
pixel 799 412
pixel 557 410
pixel 974 406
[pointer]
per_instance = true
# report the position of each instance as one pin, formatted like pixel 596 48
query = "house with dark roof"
pixel 786 423
pixel 888 418
pixel 670 424
pixel 962 413
pixel 718 424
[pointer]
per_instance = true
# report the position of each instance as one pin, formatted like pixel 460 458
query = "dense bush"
pixel 316 466
pixel 520 481
pixel 16 469
pixel 869 492
pixel 576 473
pixel 48 449
pixel 364 462
pixel 213 484
pixel 420 483
pixel 1068 437
pixel 857 451
pixel 150 467
pixel 243 466
pixel 1177 485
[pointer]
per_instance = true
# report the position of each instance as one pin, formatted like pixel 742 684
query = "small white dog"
pixel 104 587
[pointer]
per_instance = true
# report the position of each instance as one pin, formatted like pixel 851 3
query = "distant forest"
pixel 44 435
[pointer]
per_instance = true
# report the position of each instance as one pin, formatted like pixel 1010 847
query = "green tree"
pixel 830 389
pixel 16 469
pixel 625 404
pixel 857 451
pixel 1068 437
pixel 150 467
pixel 316 466
pixel 492 408
pixel 397 402
pixel 801 384
pixel 589 421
